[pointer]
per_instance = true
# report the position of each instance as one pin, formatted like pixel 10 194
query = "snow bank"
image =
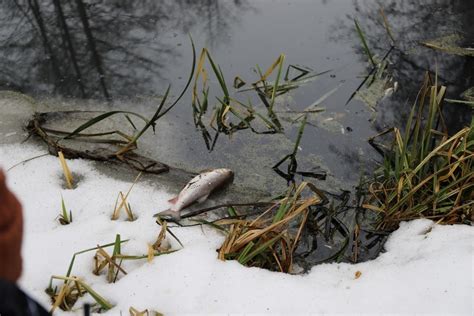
pixel 427 268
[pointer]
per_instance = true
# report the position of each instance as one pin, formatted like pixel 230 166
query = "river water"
pixel 105 55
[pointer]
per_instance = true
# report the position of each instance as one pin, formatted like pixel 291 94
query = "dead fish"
pixel 197 190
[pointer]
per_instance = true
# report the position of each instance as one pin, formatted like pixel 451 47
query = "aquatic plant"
pixel 378 83
pixel 367 51
pixel 231 114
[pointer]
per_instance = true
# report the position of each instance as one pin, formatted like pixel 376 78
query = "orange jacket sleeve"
pixel 11 230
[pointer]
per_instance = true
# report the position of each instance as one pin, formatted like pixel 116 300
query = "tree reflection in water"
pixel 410 23
pixel 101 48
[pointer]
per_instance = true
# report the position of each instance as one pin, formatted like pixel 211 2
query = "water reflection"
pixel 105 48
pixel 130 48
pixel 410 23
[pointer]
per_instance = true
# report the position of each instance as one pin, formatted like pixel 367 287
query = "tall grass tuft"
pixel 426 172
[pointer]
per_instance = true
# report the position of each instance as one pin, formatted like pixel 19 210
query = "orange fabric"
pixel 11 230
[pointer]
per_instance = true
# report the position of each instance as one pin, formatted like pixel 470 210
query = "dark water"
pixel 122 54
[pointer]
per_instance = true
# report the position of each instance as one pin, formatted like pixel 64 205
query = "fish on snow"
pixel 197 190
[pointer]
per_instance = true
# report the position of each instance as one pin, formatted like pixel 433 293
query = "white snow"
pixel 427 269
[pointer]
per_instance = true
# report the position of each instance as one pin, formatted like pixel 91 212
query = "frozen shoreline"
pixel 427 268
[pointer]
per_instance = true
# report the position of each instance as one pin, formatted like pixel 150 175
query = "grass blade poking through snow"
pixel 124 203
pixel 67 173
pixel 64 217
pixel 71 290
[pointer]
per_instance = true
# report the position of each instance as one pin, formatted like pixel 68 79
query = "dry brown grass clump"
pixel 270 240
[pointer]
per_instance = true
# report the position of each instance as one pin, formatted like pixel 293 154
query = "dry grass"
pixel 123 204
pixel 67 173
pixel 270 240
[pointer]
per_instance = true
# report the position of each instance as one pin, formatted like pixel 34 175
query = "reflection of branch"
pixel 92 47
pixel 67 39
pixel 19 24
pixel 414 65
pixel 85 43
pixel 39 19
pixel 134 56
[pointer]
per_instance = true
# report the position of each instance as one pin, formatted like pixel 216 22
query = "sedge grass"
pixel 387 26
pixel 104 261
pixel 426 172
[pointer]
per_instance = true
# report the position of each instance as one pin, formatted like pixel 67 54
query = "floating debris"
pixel 450 44
pixel 468 94
pixel 378 86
